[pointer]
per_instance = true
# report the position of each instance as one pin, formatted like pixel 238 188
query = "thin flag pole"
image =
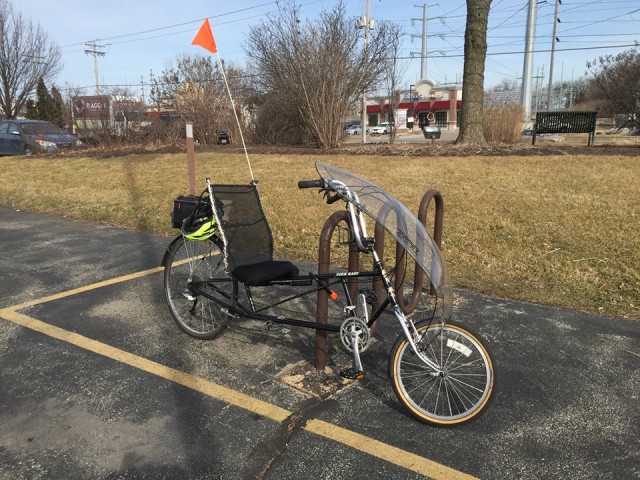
pixel 204 38
pixel 235 114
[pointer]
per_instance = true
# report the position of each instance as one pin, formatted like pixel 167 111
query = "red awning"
pixel 420 106
pixel 437 105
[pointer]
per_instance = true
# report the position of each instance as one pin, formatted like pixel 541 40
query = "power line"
pixel 518 52
pixel 190 22
pixel 452 23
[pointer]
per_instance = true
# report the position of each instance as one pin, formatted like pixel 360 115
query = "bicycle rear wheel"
pixel 193 275
pixel 458 391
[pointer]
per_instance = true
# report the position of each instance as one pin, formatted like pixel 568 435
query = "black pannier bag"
pixel 184 206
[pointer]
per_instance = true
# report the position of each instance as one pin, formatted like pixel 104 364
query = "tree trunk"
pixel 475 51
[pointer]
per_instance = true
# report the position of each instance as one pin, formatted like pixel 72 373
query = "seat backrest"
pixel 244 225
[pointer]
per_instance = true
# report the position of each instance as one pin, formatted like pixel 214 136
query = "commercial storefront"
pixel 417 108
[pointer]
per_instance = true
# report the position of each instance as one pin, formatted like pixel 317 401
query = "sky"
pixel 143 36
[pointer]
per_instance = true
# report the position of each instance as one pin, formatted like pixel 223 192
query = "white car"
pixel 354 130
pixel 381 128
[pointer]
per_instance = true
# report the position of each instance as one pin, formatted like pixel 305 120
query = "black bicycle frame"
pixel 324 281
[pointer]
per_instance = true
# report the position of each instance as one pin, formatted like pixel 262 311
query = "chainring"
pixel 355 325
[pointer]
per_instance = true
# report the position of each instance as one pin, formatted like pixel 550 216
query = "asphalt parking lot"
pixel 98 382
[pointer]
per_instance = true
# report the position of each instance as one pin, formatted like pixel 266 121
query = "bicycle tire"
pixel 456 394
pixel 189 268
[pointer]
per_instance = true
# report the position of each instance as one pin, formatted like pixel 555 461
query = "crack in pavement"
pixel 277 446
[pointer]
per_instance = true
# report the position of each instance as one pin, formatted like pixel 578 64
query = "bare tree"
pixel 127 115
pixel 26 55
pixel 69 92
pixel 475 52
pixel 194 88
pixel 614 84
pixel 314 70
pixel 506 85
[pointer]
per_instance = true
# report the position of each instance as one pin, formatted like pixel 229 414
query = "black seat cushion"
pixel 264 272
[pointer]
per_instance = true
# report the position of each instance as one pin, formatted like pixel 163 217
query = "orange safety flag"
pixel 204 38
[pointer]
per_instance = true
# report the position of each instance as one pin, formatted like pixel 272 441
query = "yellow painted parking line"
pixel 198 384
pixel 389 453
pixel 93 286
pixel 384 451
pixel 86 288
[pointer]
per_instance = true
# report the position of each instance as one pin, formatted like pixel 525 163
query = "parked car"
pixel 223 137
pixel 24 137
pixel 354 130
pixel 381 128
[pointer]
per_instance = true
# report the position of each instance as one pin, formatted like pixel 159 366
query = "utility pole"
pixel 423 53
pixel 93 50
pixel 367 24
pixel 571 91
pixel 527 69
pixel 554 39
pixel 539 78
pixel 562 103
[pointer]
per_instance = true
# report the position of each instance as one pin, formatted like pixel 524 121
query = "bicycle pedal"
pixel 352 374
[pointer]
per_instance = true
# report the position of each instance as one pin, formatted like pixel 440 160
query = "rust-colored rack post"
pixel 322 302
pixel 439 218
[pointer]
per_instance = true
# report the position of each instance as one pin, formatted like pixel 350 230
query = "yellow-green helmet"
pixel 199 228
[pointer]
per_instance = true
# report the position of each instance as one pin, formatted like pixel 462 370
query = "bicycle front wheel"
pixel 194 278
pixel 454 393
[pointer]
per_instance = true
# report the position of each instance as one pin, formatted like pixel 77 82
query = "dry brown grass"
pixel 503 124
pixel 561 230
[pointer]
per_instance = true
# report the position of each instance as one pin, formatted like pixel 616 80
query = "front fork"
pixel 407 324
pixel 412 336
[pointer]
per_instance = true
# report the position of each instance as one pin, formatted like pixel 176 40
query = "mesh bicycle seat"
pixel 249 242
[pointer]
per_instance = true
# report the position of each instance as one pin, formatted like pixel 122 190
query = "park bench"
pixel 565 122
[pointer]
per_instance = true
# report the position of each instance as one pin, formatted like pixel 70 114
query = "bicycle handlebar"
pixel 356 217
pixel 322 185
pixel 310 184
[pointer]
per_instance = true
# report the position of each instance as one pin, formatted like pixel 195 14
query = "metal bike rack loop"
pixel 324 265
pixel 418 278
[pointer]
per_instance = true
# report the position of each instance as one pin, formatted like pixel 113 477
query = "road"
pixel 414 137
